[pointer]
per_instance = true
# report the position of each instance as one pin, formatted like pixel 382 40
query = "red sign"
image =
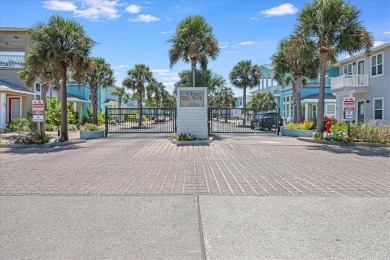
pixel 349 104
pixel 37 107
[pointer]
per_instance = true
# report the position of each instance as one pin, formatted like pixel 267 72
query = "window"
pixel 37 87
pixel 330 110
pixel 377 64
pixel 378 108
pixel 38 97
pixel 347 69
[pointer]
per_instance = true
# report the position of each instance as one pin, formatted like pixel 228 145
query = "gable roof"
pixel 316 96
pixel 6 86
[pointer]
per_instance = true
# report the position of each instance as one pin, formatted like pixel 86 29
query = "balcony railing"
pixel 349 81
pixel 11 61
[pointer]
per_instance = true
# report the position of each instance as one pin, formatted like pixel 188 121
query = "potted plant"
pixel 90 131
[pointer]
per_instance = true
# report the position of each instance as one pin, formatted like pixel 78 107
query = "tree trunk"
pixel 244 105
pixel 94 104
pixel 297 82
pixel 64 107
pixel 321 97
pixel 193 66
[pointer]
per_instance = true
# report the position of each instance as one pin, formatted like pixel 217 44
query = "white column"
pixel 21 107
pixel 306 111
pixel 3 110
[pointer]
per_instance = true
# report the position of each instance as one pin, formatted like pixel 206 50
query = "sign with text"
pixel 349 104
pixel 37 107
pixel 38 118
pixel 192 98
pixel 348 115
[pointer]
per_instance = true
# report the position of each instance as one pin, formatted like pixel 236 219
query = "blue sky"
pixel 132 32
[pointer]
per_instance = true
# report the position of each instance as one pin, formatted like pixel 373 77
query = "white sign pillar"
pixel 191 117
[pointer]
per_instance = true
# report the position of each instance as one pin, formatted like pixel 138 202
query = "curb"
pixel 42 145
pixel 311 140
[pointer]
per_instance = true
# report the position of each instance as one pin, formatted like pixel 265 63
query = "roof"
pixel 268 66
pixel 373 50
pixel 6 86
pixel 71 98
pixel 316 96
pixel 110 101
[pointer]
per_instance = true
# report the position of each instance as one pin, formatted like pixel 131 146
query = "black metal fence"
pixel 238 120
pixel 133 120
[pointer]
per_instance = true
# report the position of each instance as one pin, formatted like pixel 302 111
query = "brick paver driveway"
pixel 232 165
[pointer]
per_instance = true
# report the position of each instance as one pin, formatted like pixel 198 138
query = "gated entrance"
pixel 135 120
pixel 238 120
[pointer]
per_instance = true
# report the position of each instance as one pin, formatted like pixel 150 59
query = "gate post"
pixel 106 123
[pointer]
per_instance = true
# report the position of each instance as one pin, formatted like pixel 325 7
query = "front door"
pixel 13 108
pixel 360 115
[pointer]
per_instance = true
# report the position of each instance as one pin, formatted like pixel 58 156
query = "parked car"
pixel 160 119
pixel 266 120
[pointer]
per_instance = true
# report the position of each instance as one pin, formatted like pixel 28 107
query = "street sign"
pixel 38 118
pixel 349 104
pixel 37 107
pixel 348 115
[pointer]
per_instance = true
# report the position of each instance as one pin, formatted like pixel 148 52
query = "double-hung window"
pixel 37 91
pixel 378 108
pixel 377 64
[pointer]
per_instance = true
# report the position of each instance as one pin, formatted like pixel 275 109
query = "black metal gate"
pixel 133 120
pixel 238 120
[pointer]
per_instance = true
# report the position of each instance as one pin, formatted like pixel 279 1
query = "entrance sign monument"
pixel 192 112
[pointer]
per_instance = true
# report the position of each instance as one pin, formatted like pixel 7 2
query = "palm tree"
pixel 99 73
pixel 296 56
pixel 167 100
pixel 136 80
pixel 223 97
pixel 336 28
pixel 193 40
pixel 121 93
pixel 63 45
pixel 262 101
pixel 33 71
pixel 204 78
pixel 155 89
pixel 244 75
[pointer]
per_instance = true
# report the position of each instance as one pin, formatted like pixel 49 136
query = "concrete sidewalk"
pixel 193 227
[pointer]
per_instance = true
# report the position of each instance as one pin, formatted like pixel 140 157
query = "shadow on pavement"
pixel 38 150
pixel 362 151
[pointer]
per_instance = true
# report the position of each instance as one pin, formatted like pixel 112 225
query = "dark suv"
pixel 266 120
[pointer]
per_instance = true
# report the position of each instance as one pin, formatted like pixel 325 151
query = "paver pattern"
pixel 234 165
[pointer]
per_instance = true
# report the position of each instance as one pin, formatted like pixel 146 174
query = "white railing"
pixel 349 81
pixel 11 61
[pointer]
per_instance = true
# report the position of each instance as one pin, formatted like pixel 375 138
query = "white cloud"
pixel 88 9
pixel 254 18
pixel 134 9
pixel 246 43
pixel 122 66
pixel 283 9
pixel 58 5
pixel 146 18
pixel 166 32
pixel 378 43
pixel 386 33
pixel 224 46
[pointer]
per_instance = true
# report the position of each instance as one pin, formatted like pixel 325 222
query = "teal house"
pixel 80 97
pixel 309 98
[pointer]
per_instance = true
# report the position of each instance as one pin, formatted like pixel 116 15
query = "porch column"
pixel 3 110
pixel 306 111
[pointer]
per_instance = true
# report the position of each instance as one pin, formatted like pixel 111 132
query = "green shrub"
pixel 306 125
pixel 34 138
pixel 53 112
pixel 18 124
pixel 132 117
pixel 72 127
pixel 89 127
pixel 88 118
pixel 187 137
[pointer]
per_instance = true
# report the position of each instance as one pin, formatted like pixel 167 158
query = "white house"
pixel 367 78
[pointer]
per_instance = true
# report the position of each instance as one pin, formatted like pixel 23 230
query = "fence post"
pixel 106 122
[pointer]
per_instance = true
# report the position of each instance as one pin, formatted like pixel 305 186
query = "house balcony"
pixel 11 61
pixel 350 84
